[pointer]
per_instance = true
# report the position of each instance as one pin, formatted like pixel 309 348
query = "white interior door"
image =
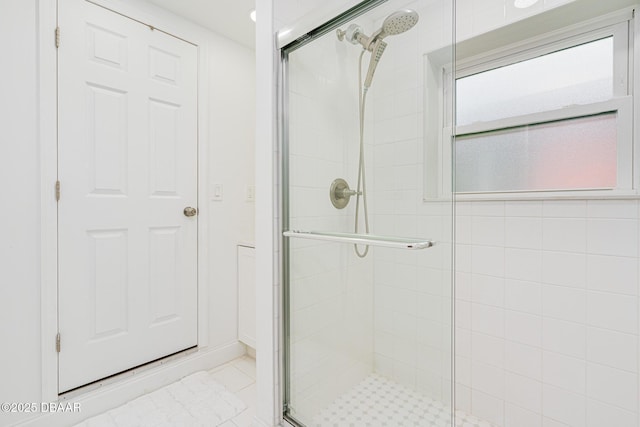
pixel 127 159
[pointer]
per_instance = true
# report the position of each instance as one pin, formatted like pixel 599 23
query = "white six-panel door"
pixel 127 165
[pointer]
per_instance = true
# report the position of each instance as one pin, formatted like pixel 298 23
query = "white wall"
pixel 231 101
pixel 20 216
pixel 232 163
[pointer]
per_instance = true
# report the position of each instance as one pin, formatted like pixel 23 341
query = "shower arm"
pixel 355 35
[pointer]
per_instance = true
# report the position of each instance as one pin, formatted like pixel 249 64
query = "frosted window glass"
pixel 563 155
pixel 579 75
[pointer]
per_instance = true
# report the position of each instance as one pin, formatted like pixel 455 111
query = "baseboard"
pixel 98 401
pixel 251 351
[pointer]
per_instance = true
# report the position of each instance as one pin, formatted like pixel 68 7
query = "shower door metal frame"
pixel 283 141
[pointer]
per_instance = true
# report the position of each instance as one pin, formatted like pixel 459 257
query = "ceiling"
pixel 229 18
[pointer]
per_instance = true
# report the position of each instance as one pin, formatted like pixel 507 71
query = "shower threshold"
pixel 379 402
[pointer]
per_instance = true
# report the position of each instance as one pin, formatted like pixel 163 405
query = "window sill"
pixel 543 195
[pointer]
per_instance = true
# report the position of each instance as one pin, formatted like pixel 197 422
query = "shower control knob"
pixel 340 193
pixel 189 211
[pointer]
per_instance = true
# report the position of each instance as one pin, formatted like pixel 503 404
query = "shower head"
pixel 397 23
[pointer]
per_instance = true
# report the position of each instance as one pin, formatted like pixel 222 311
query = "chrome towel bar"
pixel 362 239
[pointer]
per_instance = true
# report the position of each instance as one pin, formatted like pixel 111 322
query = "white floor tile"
pixel 245 419
pixel 377 400
pixel 248 395
pixel 198 399
pixel 247 365
pixel 232 378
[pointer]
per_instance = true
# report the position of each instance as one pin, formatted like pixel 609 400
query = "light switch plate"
pixel 250 192
pixel 216 192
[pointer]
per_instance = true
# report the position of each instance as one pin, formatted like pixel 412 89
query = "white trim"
pixel 47 100
pixel 545 195
pixel 203 194
pixel 634 83
pixel 617 25
pixel 267 349
pixel 625 147
pixel 47 57
pixel 110 396
pixel 474 50
pixel 572 112
pixel 436 93
pixel 533 48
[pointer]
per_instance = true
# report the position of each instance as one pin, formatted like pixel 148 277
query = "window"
pixel 577 153
pixel 577 75
pixel 552 114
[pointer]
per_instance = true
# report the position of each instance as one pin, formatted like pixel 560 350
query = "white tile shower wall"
pixel 413 325
pixel 547 298
pixel 554 322
pixel 331 295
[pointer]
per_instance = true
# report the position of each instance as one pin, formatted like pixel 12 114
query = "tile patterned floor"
pixel 224 397
pixel 375 402
pixel 379 402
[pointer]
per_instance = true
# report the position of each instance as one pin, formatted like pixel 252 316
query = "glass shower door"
pixel 367 255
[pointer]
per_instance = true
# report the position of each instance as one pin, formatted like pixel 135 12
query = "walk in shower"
pixel 546 251
pixel 368 332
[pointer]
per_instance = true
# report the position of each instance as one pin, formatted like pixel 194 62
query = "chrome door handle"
pixel 189 211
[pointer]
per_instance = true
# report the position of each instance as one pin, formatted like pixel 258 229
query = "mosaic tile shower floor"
pixel 379 402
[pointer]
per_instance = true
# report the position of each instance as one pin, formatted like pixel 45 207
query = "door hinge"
pixel 57 37
pixel 57 190
pixel 58 342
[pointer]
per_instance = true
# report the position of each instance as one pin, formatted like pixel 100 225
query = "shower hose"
pixel 362 187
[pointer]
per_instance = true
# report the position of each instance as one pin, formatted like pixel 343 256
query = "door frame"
pixel 48 140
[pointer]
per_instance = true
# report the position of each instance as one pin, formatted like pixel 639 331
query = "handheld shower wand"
pixel 396 23
pixel 376 53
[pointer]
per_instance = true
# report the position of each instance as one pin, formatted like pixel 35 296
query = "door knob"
pixel 189 211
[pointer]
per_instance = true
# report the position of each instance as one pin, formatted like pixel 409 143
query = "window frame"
pixel 621 26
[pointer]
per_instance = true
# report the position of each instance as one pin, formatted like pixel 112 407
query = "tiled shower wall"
pixel 546 291
pixel 413 310
pixel 412 291
pixel 547 312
